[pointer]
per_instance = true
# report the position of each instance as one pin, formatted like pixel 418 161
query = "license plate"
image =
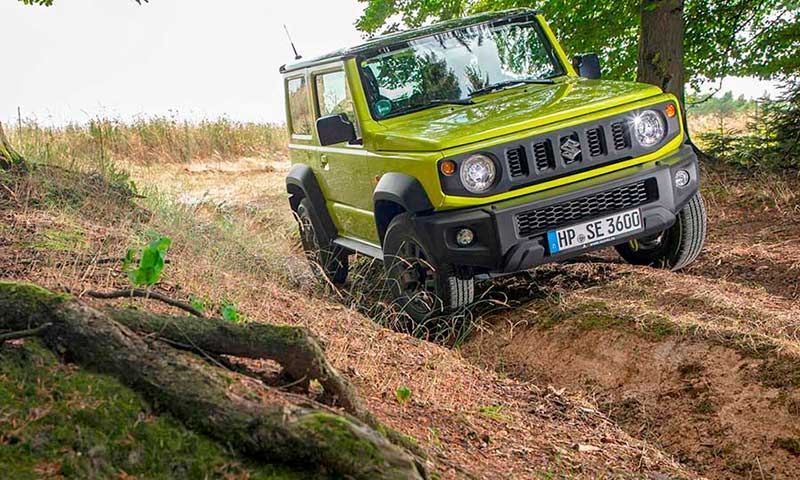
pixel 595 232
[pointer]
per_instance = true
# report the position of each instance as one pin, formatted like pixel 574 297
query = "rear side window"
pixel 299 112
pixel 333 97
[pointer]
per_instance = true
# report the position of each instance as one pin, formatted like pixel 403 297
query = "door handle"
pixel 323 159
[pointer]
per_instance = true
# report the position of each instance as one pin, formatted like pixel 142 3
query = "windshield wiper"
pixel 435 103
pixel 496 87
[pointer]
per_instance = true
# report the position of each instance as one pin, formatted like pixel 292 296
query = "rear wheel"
pixel 421 288
pixel 674 248
pixel 329 262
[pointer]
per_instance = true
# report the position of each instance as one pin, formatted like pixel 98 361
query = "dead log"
pixel 278 428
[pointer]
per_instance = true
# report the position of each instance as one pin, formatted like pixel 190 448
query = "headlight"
pixel 478 173
pixel 649 128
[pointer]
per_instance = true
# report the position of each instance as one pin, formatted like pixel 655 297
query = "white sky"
pixel 196 59
pixel 202 58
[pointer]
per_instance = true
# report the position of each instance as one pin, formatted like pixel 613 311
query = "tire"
pixel 674 248
pixel 329 262
pixel 421 288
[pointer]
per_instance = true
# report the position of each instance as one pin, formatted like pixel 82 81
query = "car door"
pixel 341 167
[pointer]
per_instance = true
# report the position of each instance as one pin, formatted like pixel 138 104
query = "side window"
pixel 333 97
pixel 298 106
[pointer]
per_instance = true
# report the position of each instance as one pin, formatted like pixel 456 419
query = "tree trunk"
pixel 277 428
pixel 661 45
pixel 8 156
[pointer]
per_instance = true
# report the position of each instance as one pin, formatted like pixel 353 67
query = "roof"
pixel 406 35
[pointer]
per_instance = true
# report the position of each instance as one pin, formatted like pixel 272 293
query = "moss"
pixel 780 372
pixel 71 423
pixel 790 444
pixel 55 240
pixel 705 406
pixel 24 305
pixel 335 432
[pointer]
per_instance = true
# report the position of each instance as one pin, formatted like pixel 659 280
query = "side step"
pixel 359 246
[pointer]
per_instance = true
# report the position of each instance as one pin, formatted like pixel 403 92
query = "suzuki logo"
pixel 570 149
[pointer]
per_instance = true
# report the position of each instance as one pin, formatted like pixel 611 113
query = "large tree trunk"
pixel 277 428
pixel 661 45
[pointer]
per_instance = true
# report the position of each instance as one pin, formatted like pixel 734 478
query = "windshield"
pixel 448 67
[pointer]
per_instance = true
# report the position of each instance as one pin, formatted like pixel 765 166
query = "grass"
pixel 156 140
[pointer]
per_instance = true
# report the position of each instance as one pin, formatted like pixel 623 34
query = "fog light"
pixel 465 237
pixel 682 178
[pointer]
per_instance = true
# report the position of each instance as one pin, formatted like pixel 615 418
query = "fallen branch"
pixel 139 293
pixel 278 428
pixel 32 332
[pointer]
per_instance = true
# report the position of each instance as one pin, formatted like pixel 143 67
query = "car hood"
pixel 506 112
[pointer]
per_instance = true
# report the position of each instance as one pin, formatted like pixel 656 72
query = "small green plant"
pixel 151 264
pixel 495 412
pixel 230 312
pixel 403 395
pixel 198 303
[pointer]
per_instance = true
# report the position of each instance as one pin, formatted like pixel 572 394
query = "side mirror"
pixel 587 65
pixel 335 129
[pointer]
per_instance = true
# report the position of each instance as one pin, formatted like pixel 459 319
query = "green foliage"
pixel 151 263
pixel 230 312
pixel 723 37
pixel 198 303
pixel 773 137
pixel 725 106
pixel 403 395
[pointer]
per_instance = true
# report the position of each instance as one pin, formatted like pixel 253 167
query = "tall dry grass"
pixel 146 141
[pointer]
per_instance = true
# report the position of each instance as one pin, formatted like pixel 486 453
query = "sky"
pixel 193 59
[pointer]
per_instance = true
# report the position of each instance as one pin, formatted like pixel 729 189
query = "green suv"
pixel 474 148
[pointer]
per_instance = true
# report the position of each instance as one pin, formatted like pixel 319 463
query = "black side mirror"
pixel 587 65
pixel 335 129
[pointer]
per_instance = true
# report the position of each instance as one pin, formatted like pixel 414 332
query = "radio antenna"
pixel 297 56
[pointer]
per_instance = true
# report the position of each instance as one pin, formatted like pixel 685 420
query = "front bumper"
pixel 511 236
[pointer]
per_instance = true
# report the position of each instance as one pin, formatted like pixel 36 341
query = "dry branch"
pixel 139 293
pixel 278 428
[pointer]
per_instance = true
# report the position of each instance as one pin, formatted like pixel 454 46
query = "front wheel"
pixel 329 262
pixel 420 287
pixel 674 248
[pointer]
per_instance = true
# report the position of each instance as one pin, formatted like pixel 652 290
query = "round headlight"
pixel 649 128
pixel 478 173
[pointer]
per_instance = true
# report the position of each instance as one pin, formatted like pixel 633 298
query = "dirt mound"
pixel 719 410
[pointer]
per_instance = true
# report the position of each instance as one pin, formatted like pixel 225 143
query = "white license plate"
pixel 595 232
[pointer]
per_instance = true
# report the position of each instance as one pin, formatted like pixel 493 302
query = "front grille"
pixel 537 221
pixel 621 135
pixel 543 156
pixel 517 163
pixel 597 141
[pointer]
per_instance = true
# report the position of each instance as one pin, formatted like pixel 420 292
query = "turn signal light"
pixel 448 167
pixel 671 110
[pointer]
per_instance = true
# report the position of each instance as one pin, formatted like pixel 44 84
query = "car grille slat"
pixel 517 162
pixel 621 135
pixel 597 142
pixel 537 221
pixel 543 156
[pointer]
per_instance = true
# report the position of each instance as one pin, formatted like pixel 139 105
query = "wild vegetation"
pixel 234 254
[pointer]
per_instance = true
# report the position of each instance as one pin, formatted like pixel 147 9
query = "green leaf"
pixel 230 312
pixel 151 265
pixel 197 303
pixel 403 395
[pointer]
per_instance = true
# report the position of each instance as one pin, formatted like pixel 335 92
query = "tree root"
pixel 280 427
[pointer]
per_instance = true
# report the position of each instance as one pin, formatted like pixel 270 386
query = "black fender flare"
pixel 302 183
pixel 396 193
